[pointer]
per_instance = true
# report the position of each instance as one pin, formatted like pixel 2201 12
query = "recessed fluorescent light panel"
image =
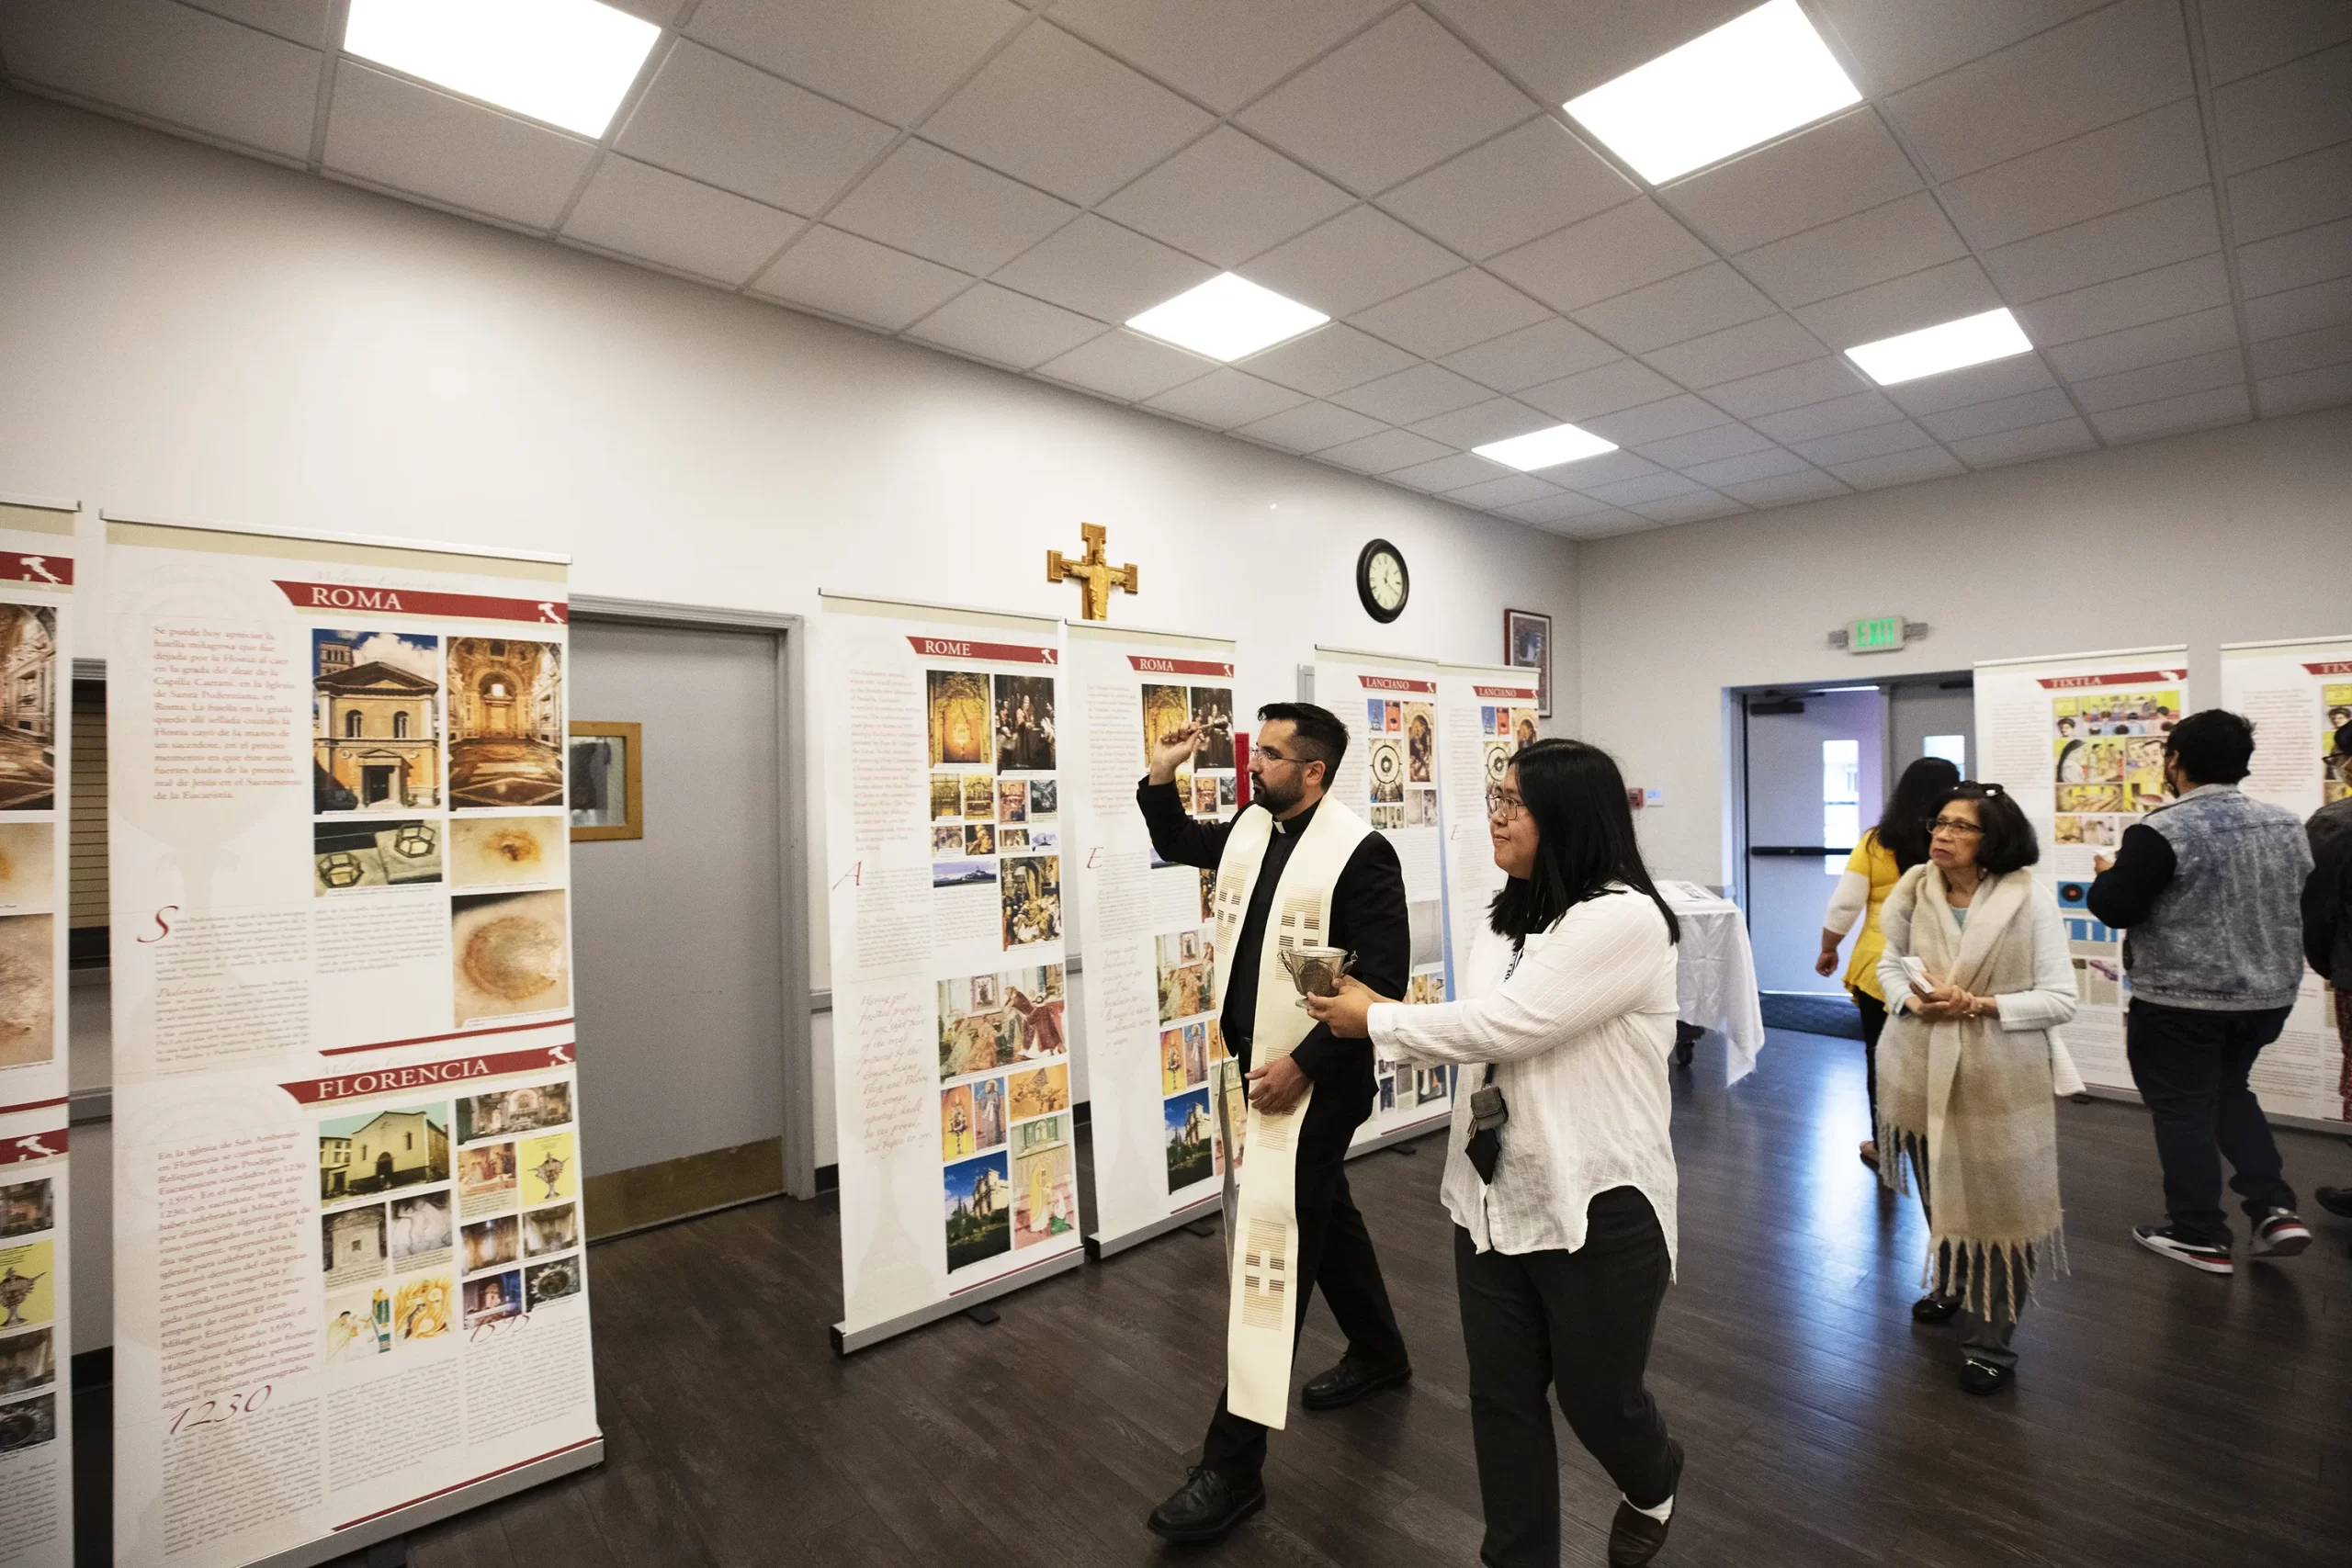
pixel 1930 351
pixel 569 62
pixel 1748 81
pixel 1227 317
pixel 1545 448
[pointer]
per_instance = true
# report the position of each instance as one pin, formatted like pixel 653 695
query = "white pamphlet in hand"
pixel 1916 973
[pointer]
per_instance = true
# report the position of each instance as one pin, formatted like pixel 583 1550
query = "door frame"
pixel 791 638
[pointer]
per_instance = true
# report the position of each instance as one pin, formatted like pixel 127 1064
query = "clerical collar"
pixel 1299 823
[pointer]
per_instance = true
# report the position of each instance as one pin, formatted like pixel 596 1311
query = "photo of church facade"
pixel 376 721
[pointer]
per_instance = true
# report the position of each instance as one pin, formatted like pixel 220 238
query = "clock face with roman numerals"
pixel 1382 581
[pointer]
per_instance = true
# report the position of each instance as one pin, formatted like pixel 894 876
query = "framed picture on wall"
pixel 1527 645
pixel 605 769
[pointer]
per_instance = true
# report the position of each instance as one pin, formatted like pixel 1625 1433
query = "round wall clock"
pixel 1382 581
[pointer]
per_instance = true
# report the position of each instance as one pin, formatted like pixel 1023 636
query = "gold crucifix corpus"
pixel 1098 575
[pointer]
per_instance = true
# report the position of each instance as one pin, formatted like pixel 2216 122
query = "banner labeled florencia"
pixel 348 1265
pixel 36 676
pixel 1497 706
pixel 2297 695
pixel 1393 777
pixel 1154 1050
pixel 2079 742
pixel 951 1043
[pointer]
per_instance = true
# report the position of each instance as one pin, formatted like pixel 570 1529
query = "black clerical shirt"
pixel 1368 918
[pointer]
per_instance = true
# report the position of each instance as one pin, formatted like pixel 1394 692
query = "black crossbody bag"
pixel 1488 1111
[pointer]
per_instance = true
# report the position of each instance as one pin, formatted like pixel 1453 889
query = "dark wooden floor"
pixel 2161 1418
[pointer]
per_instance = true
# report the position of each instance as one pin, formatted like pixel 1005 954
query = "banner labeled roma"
pixel 350 1287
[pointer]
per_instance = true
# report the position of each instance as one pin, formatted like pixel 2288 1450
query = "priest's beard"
pixel 1280 799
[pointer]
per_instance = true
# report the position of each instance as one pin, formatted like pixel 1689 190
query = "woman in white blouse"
pixel 1564 1211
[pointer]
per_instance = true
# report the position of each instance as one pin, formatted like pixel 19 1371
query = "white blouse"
pixel 1579 1034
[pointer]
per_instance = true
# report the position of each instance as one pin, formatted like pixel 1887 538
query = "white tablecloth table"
pixel 1715 973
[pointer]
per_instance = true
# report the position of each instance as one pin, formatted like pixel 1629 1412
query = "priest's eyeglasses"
pixel 1501 804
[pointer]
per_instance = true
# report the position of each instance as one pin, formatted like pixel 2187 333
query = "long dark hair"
pixel 1585 832
pixel 1902 828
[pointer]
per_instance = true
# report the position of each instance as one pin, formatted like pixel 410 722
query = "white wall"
pixel 2227 536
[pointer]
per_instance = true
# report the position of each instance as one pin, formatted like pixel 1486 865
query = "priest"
pixel 1294 868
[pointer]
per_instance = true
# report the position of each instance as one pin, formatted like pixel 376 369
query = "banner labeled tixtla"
pixel 1155 1055
pixel 350 1286
pixel 945 855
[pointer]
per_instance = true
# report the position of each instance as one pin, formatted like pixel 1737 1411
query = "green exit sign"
pixel 1880 633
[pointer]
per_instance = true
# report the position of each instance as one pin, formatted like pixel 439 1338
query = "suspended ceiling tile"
pixel 639 211
pixel 1838 167
pixel 2304 351
pixel 1224 52
pixel 414 139
pixel 1695 508
pixel 2291 195
pixel 2010 378
pixel 890 58
pixel 949 209
pixel 2172 416
pixel 1894 43
pixel 1359 258
pixel 1603 389
pixel 1387 104
pixel 1859 410
pixel 1687 453
pixel 1925 299
pixel 1854 446
pixel 1623 248
pixel 296 21
pixel 721 122
pixel 1008 328
pixel 1887 241
pixel 2204 332
pixel 1065 117
pixel 2156 295
pixel 1738 352
pixel 1523 184
pixel 1557 507
pixel 844 274
pixel 1224 398
pixel 1562 49
pixel 1701 301
pixel 1096 266
pixel 1497 419
pixel 2319 388
pixel 1646 422
pixel 2121 61
pixel 1815 381
pixel 1544 352
pixel 1226 197
pixel 2120 165
pixel 2301 310
pixel 1512 490
pixel 1329 359
pixel 1899 468
pixel 1423 392
pixel 2243 39
pixel 1310 428
pixel 1612 523
pixel 2001 413
pixel 1609 468
pixel 2177 377
pixel 1126 366
pixel 1768 462
pixel 1464 307
pixel 1787 489
pixel 1452 473
pixel 2170 229
pixel 2025 443
pixel 1381 453
pixel 172 64
pixel 1648 488
pixel 2296 108
pixel 2290 261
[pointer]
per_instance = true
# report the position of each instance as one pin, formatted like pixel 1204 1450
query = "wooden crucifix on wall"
pixel 1097 575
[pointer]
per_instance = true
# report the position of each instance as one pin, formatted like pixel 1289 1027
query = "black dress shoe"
pixel 1206 1505
pixel 1634 1537
pixel 1985 1376
pixel 2335 1199
pixel 1935 1309
pixel 1351 1380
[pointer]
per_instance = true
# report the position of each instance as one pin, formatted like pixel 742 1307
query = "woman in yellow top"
pixel 1886 852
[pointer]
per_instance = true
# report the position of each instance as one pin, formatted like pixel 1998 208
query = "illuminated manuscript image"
pixel 1039 1092
pixel 425 1308
pixel 505 723
pixel 509 852
pixel 27 990
pixel 961 729
pixel 1032 899
pixel 375 720
pixel 509 954
pixel 28 857
pixel 550 1168
pixel 1044 1182
pixel 359 1324
pixel 28 707
pixel 1166 710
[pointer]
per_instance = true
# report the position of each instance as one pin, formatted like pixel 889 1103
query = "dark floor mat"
pixel 1815 1015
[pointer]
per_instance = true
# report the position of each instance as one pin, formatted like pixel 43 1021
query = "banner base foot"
pixel 1206 1211
pixel 1203 1227
pixel 982 1314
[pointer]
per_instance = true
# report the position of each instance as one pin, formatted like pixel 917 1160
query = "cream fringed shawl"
pixel 1971 1099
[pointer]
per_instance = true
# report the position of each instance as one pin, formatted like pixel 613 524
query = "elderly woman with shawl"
pixel 1969 1068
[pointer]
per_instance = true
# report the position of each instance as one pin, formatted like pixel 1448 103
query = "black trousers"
pixel 1335 1257
pixel 1576 1325
pixel 2190 1067
pixel 1874 1013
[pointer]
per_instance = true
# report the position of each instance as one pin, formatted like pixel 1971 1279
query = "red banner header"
pixel 56 571
pixel 426 1075
pixel 1151 664
pixel 2335 667
pixel 1000 652
pixel 415 602
pixel 32 1145
pixel 2127 678
pixel 1394 683
pixel 1523 694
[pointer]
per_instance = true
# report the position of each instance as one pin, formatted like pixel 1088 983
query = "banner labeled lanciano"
pixel 350 1293
pixel 1155 1055
pixel 1394 777
pixel 2299 697
pixel 2078 741
pixel 951 1037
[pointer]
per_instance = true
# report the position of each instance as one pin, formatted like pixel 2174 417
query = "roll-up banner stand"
pixel 1393 777
pixel 36 783
pixel 1485 712
pixel 2297 695
pixel 350 1297
pixel 1154 1051
pixel 2079 742
pixel 951 1039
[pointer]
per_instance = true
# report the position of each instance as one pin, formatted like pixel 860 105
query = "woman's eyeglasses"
pixel 1954 825
pixel 1501 802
